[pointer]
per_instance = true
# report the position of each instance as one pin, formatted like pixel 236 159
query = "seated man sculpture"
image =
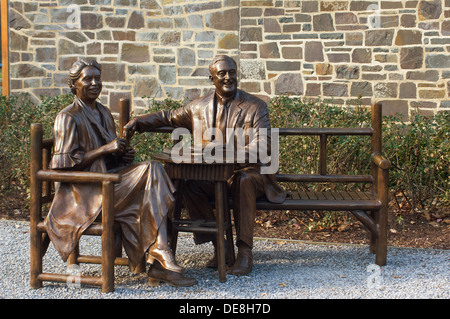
pixel 226 108
pixel 85 139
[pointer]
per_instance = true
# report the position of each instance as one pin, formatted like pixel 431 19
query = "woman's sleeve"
pixel 67 150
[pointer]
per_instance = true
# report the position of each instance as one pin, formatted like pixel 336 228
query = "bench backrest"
pixel 374 132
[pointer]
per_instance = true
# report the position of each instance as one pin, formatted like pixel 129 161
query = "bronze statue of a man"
pixel 226 108
pixel 85 139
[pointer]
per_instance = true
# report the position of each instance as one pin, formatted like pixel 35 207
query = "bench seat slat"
pixel 328 195
pixel 326 200
pixel 365 195
pixel 354 195
pixel 337 195
pixel 346 195
pixel 303 195
pixel 295 195
pixel 320 195
pixel 310 204
pixel 312 195
pixel 314 178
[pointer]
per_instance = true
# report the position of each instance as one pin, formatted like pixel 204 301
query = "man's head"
pixel 223 74
pixel 85 79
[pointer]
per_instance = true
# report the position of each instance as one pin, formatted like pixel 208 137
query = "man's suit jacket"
pixel 245 111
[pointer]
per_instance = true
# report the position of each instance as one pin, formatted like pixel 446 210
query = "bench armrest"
pixel 380 161
pixel 77 176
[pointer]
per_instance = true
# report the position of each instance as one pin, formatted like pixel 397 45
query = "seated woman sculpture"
pixel 85 139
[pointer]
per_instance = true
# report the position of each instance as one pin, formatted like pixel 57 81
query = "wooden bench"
pixel 369 207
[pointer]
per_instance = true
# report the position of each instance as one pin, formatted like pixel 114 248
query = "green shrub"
pixel 17 113
pixel 420 155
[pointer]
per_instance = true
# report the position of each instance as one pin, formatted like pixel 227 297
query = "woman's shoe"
pixel 166 258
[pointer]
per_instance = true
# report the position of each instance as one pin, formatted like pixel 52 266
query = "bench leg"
pixel 108 237
pixel 220 223
pixel 381 218
pixel 372 237
pixel 381 242
pixel 35 257
pixel 35 206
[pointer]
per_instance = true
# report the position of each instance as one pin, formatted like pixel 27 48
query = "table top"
pixel 195 157
pixel 195 170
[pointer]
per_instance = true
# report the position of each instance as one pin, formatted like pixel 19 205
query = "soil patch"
pixel 411 230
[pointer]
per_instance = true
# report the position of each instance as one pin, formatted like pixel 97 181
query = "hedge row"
pixel 419 150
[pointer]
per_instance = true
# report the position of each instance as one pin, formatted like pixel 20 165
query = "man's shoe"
pixel 243 264
pixel 156 275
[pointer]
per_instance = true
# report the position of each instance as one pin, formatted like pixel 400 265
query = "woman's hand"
pixel 128 155
pixel 116 146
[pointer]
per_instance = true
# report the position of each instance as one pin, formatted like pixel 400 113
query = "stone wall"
pixel 397 52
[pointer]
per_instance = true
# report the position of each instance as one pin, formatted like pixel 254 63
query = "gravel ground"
pixel 282 270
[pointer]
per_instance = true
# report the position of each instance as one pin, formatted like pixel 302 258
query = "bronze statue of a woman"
pixel 85 139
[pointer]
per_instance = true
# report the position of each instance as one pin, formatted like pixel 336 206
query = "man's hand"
pixel 130 128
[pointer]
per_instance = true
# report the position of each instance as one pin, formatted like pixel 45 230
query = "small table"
pixel 219 173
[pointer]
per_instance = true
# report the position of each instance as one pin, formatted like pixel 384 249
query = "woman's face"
pixel 89 85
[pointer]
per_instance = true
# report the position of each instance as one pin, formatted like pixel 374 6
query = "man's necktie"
pixel 221 119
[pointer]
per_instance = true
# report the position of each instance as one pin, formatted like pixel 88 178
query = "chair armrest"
pixel 380 161
pixel 78 176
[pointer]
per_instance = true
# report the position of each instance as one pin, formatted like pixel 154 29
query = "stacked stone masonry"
pixel 396 52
